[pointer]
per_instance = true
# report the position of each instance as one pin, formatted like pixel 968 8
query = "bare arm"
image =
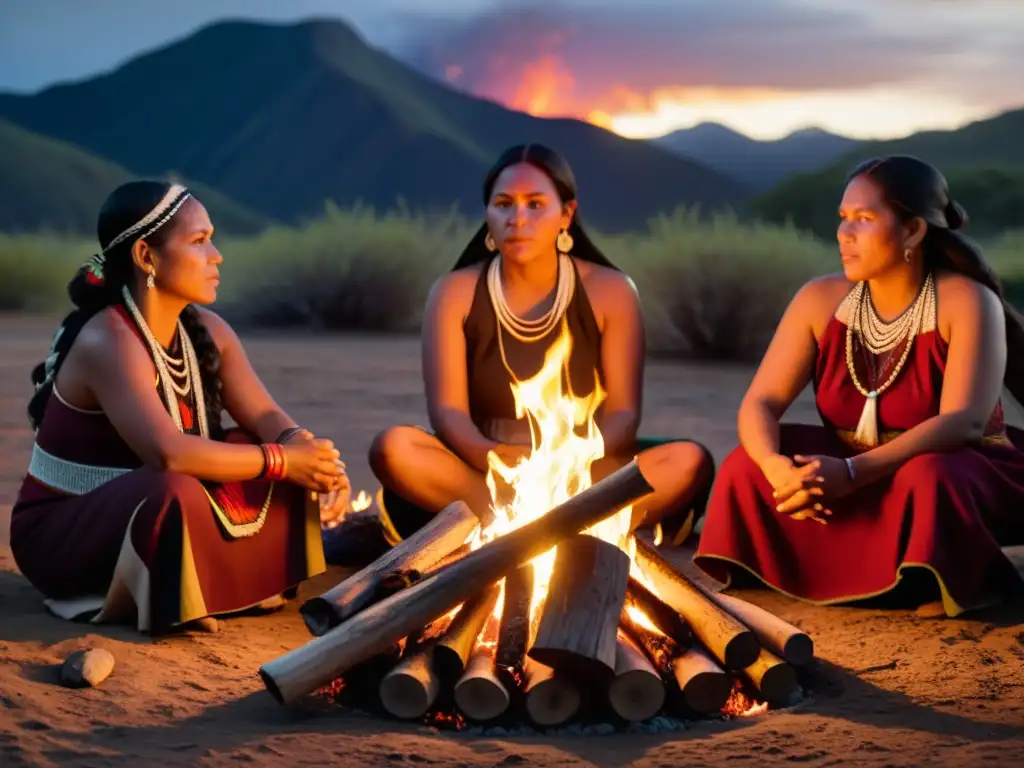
pixel 444 370
pixel 120 375
pixel 623 347
pixel 782 375
pixel 971 386
pixel 245 396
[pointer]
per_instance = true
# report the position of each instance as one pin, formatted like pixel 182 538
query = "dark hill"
pixel 284 117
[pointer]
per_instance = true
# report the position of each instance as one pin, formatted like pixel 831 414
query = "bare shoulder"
pixel 220 329
pixel 824 293
pixel 453 291
pixel 607 287
pixel 105 334
pixel 959 297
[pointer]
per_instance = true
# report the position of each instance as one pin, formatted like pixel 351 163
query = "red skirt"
pixel 947 514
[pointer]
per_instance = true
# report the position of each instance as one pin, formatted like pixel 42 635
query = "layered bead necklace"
pixel 170 370
pixel 878 337
pixel 530 331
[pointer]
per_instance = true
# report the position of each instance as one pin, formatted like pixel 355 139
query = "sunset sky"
pixel 864 68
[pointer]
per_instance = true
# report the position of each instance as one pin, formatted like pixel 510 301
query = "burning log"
pixel 774 634
pixel 641 599
pixel 774 679
pixel 551 698
pixel 734 645
pixel 479 694
pixel 580 618
pixel 447 531
pixel 313 665
pixel 411 688
pixel 456 645
pixel 638 691
pixel 703 686
pixel 514 629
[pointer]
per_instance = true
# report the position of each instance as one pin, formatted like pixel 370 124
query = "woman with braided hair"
pixel 137 504
pixel 914 481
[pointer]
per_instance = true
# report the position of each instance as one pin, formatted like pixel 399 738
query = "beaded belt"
pixel 847 436
pixel 68 476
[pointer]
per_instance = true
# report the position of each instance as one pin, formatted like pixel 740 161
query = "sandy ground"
pixel 889 688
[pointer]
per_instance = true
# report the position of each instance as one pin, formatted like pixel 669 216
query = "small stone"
pixel 476 730
pixel 497 732
pixel 83 669
pixel 603 729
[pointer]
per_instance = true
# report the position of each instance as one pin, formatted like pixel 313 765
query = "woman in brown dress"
pixel 137 504
pixel 529 271
pixel 914 481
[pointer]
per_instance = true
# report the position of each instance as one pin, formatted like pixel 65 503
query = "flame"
pixel 740 704
pixel 362 501
pixel 565 442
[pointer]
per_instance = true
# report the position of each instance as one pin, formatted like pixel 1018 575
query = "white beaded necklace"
pixel 189 367
pixel 530 331
pixel 878 337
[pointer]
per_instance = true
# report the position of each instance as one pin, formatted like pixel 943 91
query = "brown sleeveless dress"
pixel 492 405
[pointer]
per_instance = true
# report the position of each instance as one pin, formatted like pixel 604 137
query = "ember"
pixel 575 622
pixel 742 704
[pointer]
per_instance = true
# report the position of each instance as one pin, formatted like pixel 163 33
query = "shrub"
pixel 719 288
pixel 36 269
pixel 351 270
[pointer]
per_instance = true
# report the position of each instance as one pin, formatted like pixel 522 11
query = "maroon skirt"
pixel 944 514
pixel 165 548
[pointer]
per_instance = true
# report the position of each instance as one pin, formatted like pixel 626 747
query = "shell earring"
pixel 151 281
pixel 564 242
pixel 489 243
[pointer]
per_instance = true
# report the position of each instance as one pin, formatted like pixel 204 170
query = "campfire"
pixel 549 610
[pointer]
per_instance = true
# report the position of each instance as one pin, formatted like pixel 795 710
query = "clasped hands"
pixel 805 485
pixel 328 479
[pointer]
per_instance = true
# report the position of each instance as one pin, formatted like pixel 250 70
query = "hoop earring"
pixel 564 242
pixel 489 243
pixel 907 255
pixel 151 281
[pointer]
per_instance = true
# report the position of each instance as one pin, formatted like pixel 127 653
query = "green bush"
pixel 715 290
pixel 351 270
pixel 36 269
pixel 711 289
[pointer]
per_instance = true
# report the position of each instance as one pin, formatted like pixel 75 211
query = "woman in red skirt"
pixel 137 505
pixel 914 473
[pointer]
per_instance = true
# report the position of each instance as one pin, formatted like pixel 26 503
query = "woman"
pixel 136 501
pixel 529 269
pixel 915 473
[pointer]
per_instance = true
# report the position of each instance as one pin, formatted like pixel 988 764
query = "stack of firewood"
pixel 455 629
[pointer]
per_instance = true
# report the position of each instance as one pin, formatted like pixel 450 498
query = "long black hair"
pixel 915 189
pixel 118 228
pixel 556 168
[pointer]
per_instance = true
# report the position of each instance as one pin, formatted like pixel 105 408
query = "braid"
pixel 208 356
pixel 137 210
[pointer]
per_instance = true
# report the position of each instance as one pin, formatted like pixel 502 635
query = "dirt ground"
pixel 888 689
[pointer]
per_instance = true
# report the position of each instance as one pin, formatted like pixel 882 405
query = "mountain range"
pixel 281 118
pixel 983 162
pixel 757 164
pixel 269 122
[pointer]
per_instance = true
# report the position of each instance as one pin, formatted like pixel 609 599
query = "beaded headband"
pixel 159 215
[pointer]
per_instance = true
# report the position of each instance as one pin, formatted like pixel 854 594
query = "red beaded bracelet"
pixel 275 465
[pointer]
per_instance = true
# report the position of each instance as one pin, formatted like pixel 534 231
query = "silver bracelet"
pixel 849 468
